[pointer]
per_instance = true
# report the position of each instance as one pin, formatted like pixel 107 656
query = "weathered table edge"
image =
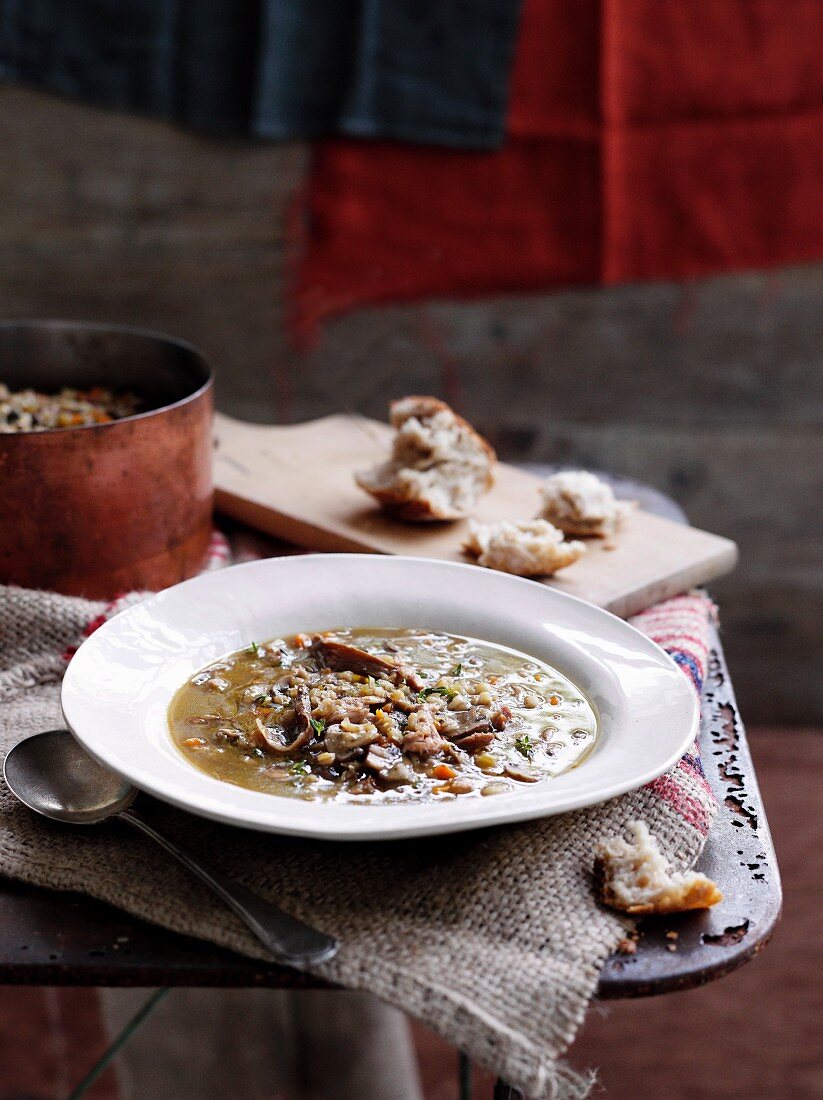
pixel 739 927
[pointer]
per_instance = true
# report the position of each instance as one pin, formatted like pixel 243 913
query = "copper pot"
pixel 95 511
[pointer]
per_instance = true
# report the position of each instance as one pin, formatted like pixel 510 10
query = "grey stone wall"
pixel 712 391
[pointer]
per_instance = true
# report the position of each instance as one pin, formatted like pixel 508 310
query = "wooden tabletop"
pixel 47 938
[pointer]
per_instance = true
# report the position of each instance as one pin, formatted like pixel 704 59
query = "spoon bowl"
pixel 52 775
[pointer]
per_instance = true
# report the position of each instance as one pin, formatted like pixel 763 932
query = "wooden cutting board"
pixel 296 482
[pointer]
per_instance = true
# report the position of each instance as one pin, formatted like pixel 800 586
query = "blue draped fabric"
pixel 429 71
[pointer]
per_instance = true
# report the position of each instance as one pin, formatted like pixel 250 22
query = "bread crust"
pixel 400 506
pixel 699 893
pixel 594 529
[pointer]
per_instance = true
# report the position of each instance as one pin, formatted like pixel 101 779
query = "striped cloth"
pixel 680 626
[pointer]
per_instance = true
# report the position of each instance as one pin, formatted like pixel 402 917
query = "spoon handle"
pixel 290 941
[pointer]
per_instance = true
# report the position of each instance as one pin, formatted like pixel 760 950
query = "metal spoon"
pixel 52 775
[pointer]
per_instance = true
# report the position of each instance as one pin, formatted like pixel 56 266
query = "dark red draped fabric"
pixel 647 139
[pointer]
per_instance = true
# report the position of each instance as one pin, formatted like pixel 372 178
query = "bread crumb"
pixel 530 549
pixel 627 947
pixel 633 876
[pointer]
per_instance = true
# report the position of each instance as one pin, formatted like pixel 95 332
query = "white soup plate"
pixel 118 687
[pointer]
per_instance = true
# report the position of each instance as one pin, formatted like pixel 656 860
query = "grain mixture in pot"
pixel 32 411
pixel 381 715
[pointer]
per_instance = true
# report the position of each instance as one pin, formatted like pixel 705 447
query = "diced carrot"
pixel 443 771
pixel 554 701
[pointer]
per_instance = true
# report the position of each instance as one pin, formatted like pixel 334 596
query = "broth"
pixel 381 715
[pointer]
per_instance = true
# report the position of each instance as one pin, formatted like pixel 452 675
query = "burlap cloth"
pixel 491 938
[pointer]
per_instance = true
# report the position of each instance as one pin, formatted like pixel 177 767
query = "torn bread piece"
pixel 634 876
pixel 581 504
pixel 532 548
pixel 439 465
